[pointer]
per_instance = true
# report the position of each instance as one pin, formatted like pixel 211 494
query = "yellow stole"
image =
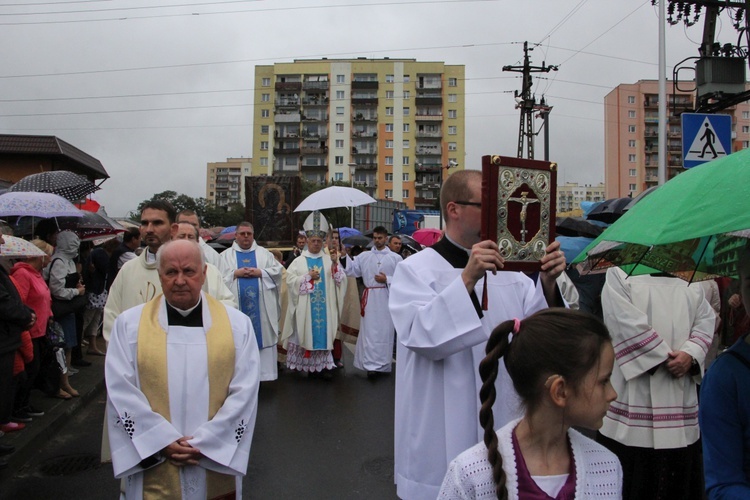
pixel 163 480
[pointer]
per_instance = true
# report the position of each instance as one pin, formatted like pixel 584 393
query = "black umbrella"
pixel 609 210
pixel 577 226
pixel 408 240
pixel 72 187
pixel 91 226
pixel 356 240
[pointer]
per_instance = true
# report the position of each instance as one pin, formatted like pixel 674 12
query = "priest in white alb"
pixel 374 353
pixel 182 374
pixel 254 276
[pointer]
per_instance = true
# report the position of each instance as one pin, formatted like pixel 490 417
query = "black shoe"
pixel 372 375
pixel 6 449
pixel 33 412
pixel 20 416
pixel 80 362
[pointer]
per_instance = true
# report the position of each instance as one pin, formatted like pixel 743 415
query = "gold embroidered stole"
pixel 163 480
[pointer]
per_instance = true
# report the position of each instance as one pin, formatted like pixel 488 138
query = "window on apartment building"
pixel 210 193
pixel 452 113
pixel 266 82
pixel 745 129
pixel 264 129
pixel 389 127
pixel 339 160
pixel 452 130
pixel 339 110
pixel 265 97
pixel 452 146
pixel 389 111
pixel 389 193
pixel 389 94
pixel 389 160
pixel 406 127
pixel 339 127
pixel 453 82
pixel 264 162
pixel 389 144
pixel 631 129
pixel 631 172
pixel 389 79
pixel 631 187
pixel 338 176
pixel 405 160
pixel 340 78
pixel 264 145
pixel 631 99
pixel 405 144
pixel 389 177
pixel 405 193
pixel 631 158
pixel 452 97
pixel 631 113
pixel 406 94
pixel 746 115
pixel 265 113
pixel 247 170
pixel 406 111
pixel 340 95
pixel 405 177
pixel 339 143
pixel 745 144
pixel 631 143
pixel 212 186
pixel 406 78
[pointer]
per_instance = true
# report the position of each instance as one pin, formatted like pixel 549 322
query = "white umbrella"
pixel 32 204
pixel 335 197
pixel 18 248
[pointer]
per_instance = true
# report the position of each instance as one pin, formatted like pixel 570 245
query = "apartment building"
pixel 571 194
pixel 631 134
pixel 390 126
pixel 225 181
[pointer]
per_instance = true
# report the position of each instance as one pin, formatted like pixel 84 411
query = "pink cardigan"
pixel 34 293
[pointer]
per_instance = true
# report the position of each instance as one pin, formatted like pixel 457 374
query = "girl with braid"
pixel 560 362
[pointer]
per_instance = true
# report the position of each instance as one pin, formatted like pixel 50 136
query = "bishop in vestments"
pixel 182 374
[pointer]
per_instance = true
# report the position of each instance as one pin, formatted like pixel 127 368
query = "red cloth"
pixel 24 354
pixel 363 300
pixel 34 293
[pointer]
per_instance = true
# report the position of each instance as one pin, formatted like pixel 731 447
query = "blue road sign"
pixel 705 138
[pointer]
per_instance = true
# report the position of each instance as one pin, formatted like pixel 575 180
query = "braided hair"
pixel 551 341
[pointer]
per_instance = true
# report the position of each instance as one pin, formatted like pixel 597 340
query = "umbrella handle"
pixel 484 293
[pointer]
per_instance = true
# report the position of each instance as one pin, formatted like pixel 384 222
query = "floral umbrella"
pixel 18 248
pixel 72 187
pixel 36 205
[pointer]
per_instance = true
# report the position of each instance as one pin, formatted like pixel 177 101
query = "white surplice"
pixel 441 341
pixel 136 432
pixel 374 350
pixel 270 305
pixel 648 317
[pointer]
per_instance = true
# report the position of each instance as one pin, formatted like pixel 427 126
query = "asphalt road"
pixel 314 439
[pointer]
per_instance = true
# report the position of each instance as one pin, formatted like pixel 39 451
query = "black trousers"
pixel 23 391
pixel 6 386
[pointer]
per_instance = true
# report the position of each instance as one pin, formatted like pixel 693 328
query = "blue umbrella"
pixel 572 246
pixel 230 229
pixel 345 232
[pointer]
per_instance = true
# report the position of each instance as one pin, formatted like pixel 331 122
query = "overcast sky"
pixel 155 89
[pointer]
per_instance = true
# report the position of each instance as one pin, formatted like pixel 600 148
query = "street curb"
pixel 28 442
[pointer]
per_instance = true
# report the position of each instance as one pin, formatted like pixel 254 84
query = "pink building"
pixel 631 140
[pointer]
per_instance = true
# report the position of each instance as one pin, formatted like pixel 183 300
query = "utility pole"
pixel 526 102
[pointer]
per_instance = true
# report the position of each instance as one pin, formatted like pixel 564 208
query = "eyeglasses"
pixel 244 235
pixel 468 203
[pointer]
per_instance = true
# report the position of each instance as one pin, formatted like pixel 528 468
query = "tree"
pixel 179 201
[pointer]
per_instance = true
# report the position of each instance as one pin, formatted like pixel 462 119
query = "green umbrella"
pixel 692 227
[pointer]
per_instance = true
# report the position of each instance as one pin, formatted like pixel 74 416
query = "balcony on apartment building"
pixel 364 99
pixel 314 117
pixel 314 150
pixel 429 82
pixel 369 183
pixel 358 116
pixel 365 134
pixel 287 102
pixel 366 165
pixel 311 164
pixel 286 149
pixel 364 150
pixel 286 133
pixel 282 117
pixel 315 100
pixel 429 116
pixel 364 84
pixel 432 166
pixel 427 134
pixel 429 150
pixel 429 98
pixel 288 86
pixel 315 86
pixel 315 133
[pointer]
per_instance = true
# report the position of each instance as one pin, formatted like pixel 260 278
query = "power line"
pixel 565 19
pixel 243 11
pixel 118 9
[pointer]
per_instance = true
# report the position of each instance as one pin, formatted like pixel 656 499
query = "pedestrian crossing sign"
pixel 705 138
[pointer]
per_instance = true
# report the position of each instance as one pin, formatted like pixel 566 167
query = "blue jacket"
pixel 724 415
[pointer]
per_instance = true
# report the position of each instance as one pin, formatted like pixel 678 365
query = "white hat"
pixel 316 225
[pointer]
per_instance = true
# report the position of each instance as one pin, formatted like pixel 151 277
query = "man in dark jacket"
pixel 15 317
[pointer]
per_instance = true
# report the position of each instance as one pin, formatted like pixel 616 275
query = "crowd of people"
pixel 503 389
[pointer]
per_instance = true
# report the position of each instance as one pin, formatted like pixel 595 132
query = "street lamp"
pixel 451 164
pixel 352 171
